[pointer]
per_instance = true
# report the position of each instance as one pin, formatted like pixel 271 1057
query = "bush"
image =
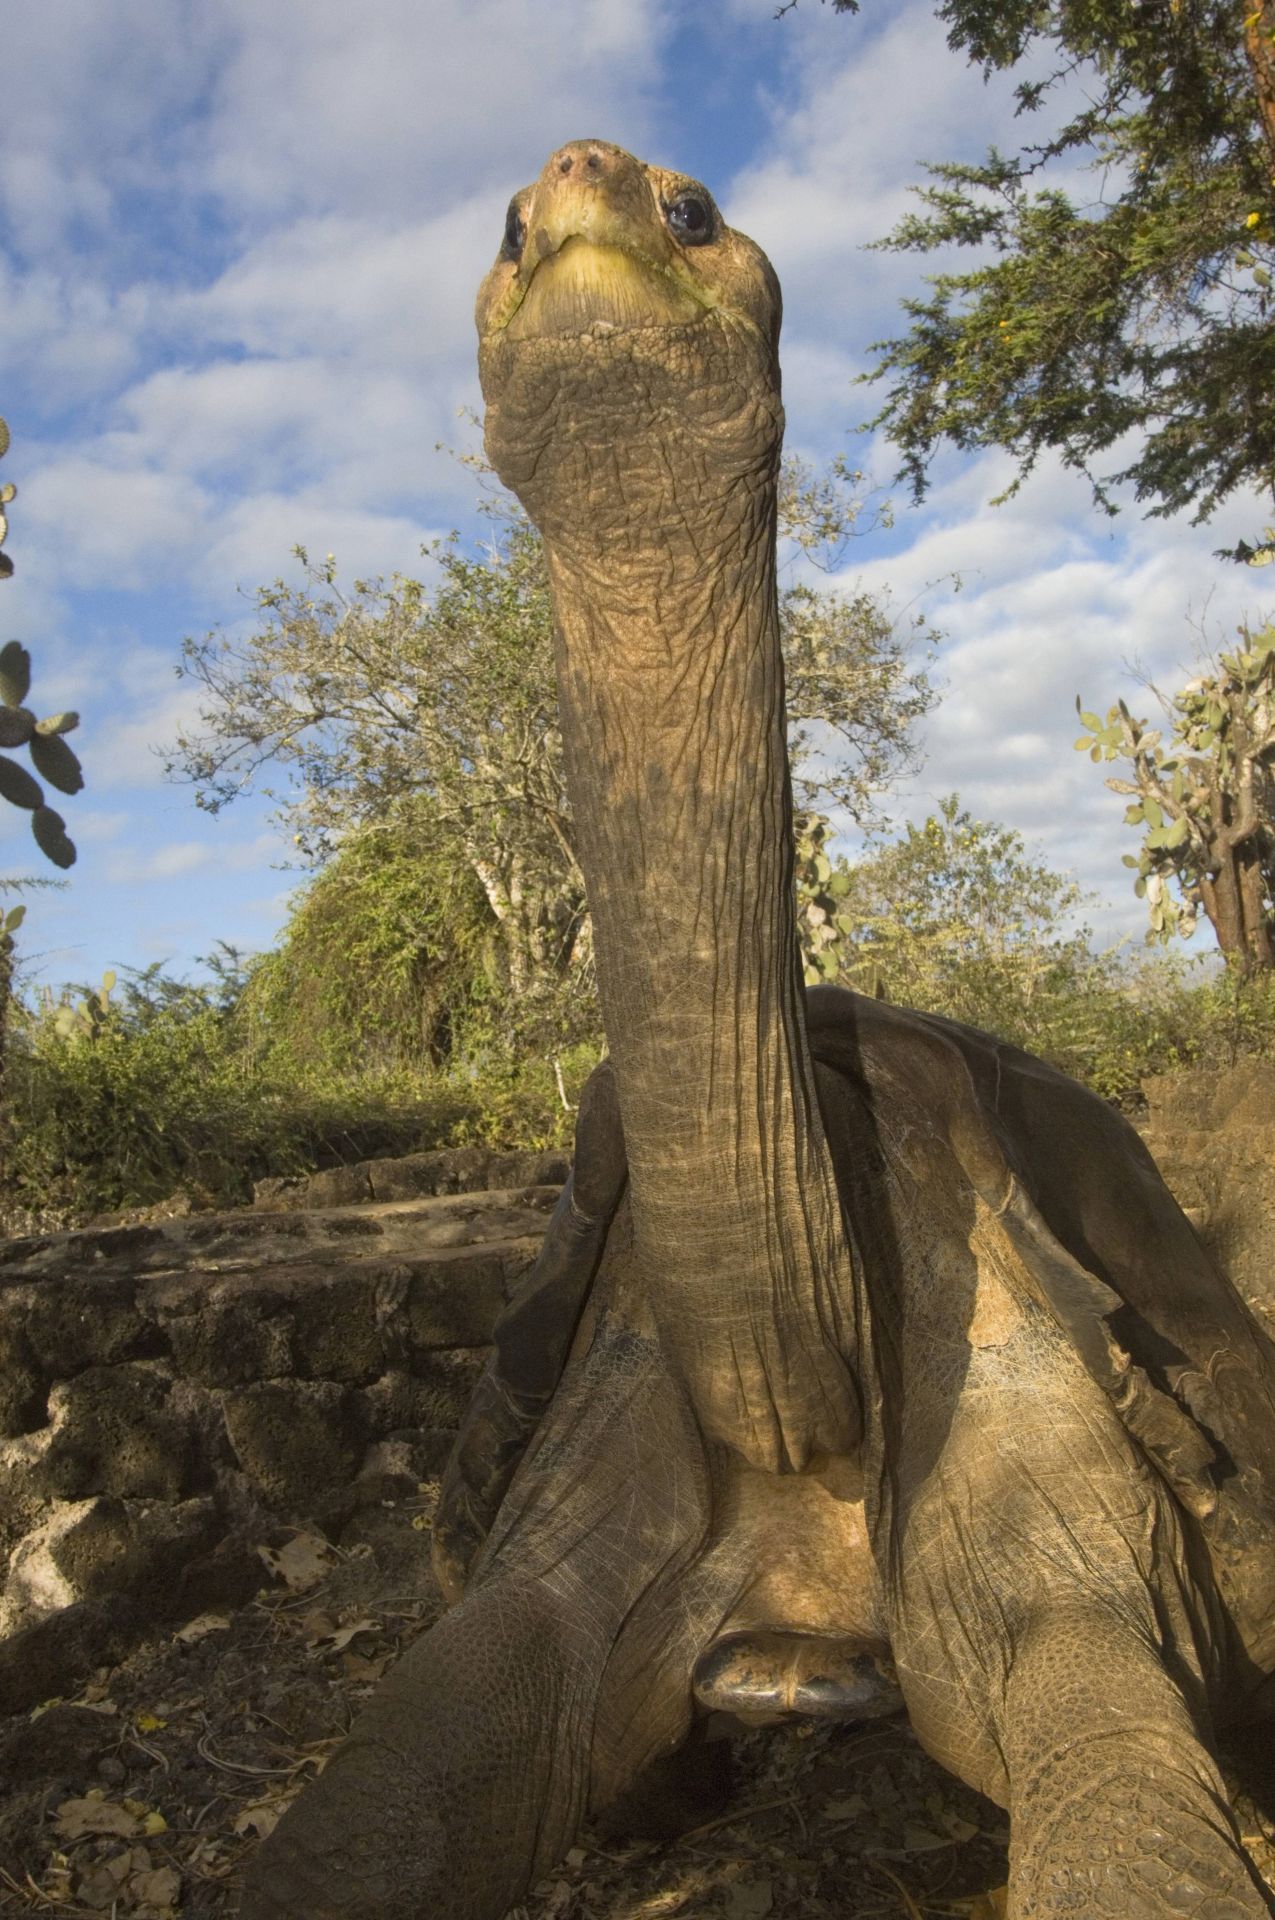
pixel 956 917
pixel 386 962
pixel 120 1106
pixel 1132 1019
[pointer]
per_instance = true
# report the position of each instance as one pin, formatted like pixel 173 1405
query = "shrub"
pixel 119 1105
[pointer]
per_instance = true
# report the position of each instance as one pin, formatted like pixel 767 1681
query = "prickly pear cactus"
pixel 822 889
pixel 9 924
pixel 86 1020
pixel 44 740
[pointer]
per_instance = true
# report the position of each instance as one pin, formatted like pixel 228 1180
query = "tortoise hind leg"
pixel 1116 1804
pixel 532 1339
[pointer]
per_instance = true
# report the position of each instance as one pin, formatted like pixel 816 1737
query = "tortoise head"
pixel 627 343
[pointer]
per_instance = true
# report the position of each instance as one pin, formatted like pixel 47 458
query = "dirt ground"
pixel 144 1796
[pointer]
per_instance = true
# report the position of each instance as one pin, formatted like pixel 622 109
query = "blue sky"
pixel 238 252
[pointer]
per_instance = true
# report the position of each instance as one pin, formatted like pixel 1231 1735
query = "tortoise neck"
pixel 671 689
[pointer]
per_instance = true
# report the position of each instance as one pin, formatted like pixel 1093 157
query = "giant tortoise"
pixel 864 1350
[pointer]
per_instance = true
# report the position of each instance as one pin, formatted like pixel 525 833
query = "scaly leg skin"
pixel 468 1773
pixel 533 1339
pixel 477 1733
pixel 1117 1808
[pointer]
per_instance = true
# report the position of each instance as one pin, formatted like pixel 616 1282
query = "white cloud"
pixel 368 110
pixel 92 826
pixel 107 523
pixel 252 543
pixel 123 750
pixel 872 108
pixel 398 291
pixel 182 858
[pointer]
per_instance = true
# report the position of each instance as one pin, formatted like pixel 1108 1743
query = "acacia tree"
pixel 384 696
pixel 1138 318
pixel 1205 801
pixel 389 696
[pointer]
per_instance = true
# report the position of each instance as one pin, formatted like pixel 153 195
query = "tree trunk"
pixel 1259 45
pixel 1252 893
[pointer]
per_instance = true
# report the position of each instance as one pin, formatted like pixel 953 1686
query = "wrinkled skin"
pixel 857 1338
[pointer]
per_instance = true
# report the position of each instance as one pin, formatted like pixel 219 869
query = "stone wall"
pixel 175 1395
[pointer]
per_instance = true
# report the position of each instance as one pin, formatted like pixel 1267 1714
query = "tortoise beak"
pixel 596 250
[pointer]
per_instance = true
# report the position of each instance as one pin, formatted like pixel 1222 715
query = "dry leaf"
pixel 749 1900
pixel 204 1624
pixel 261 1818
pixel 157 1887
pixel 302 1563
pixel 99 1885
pixel 102 1882
pixel 365 1672
pixel 75 1818
pixel 337 1638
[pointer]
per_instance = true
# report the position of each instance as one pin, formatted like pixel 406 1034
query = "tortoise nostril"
pixel 593 162
pixel 564 165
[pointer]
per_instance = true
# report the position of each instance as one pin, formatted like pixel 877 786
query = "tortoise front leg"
pixel 1116 1804
pixel 533 1339
pixel 557 1678
pixel 462 1781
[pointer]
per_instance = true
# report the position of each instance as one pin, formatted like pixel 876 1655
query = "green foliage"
pixel 387 959
pixel 385 694
pixel 825 921
pixel 1204 800
pixel 86 1018
pixel 1143 309
pixel 50 756
pixel 164 1087
pixel 110 1111
pixel 9 924
pixel 956 918
pixel 1126 1021
pixel 855 695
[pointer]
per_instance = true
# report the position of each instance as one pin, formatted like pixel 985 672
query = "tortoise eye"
pixel 690 220
pixel 515 234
